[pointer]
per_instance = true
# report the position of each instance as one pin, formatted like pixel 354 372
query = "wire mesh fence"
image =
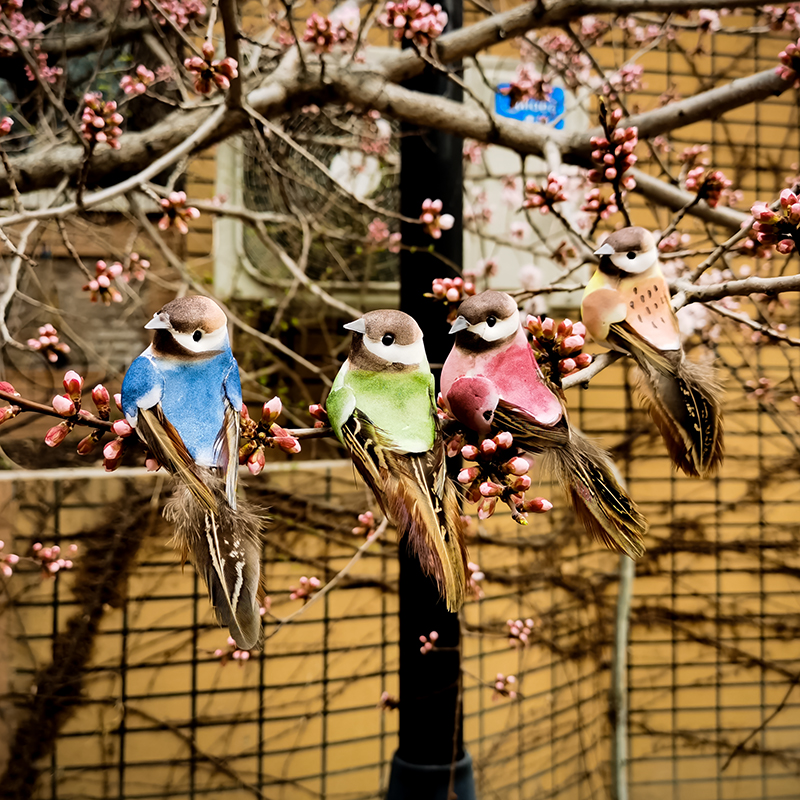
pixel 156 705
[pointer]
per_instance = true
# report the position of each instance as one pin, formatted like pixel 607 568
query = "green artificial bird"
pixel 382 409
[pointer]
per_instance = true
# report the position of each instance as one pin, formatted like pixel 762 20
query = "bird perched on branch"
pixel 183 397
pixel 382 409
pixel 626 306
pixel 491 382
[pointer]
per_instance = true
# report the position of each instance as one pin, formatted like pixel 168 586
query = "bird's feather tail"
pixel 684 401
pixel 225 547
pixel 601 504
pixel 426 507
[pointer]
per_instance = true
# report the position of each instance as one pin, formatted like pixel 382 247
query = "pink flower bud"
pixel 6 387
pixel 288 444
pixel 257 461
pixel 470 452
pixel 491 489
pixel 567 365
pixel 578 329
pixel 488 447
pixel 785 246
pixel 271 411
pixel 73 383
pixel 122 428
pixel 9 412
pixel 487 507
pixel 583 360
pixel 446 221
pixel 87 445
pixel 151 465
pixel 539 505
pixel 113 450
pixel 453 295
pixel 548 328
pixel 100 397
pixel 517 466
pixel 118 400
pixel 521 483
pixel 63 405
pixel 57 434
pixel 468 475
pixel 504 440
pixel 572 343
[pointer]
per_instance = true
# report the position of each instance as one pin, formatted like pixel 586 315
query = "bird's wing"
pixel 623 336
pixel 527 432
pixel 142 387
pixel 600 309
pixel 166 445
pixel 412 489
pixel 226 446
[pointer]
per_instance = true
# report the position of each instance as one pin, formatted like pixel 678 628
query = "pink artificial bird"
pixel 491 383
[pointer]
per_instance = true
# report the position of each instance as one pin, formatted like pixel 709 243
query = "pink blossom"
pixel 48 344
pixel 413 19
pixel 527 85
pixel 433 220
pixel 325 33
pixel 100 121
pixel 100 288
pixel 544 198
pixel 75 10
pixel 56 435
pixel 46 73
pixel 473 151
pixel 177 213
pixel 209 72
pixel 137 83
pixel 5 125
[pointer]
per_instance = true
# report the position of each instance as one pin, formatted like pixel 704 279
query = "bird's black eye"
pixel 388 339
pixel 491 320
pixel 197 335
pixel 631 255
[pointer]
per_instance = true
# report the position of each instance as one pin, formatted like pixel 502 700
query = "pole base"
pixel 430 781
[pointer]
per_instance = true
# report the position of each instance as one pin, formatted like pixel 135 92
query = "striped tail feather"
pixel 684 403
pixel 415 493
pixel 424 504
pixel 604 508
pixel 225 548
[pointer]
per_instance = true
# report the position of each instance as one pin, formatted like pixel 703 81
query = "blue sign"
pixel 543 111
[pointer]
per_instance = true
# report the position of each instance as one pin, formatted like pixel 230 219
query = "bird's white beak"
pixel 160 321
pixel 460 324
pixel 605 250
pixel 357 326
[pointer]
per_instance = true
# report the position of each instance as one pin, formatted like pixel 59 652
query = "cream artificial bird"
pixel 626 306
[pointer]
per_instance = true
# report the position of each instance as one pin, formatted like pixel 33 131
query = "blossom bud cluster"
pixel 503 687
pixel 232 653
pixel 100 287
pixel 613 154
pixel 48 344
pixel 379 234
pixel 320 415
pixel 779 228
pixel 451 290
pixel 367 526
pixel 325 33
pixel 75 10
pixel 789 68
pixel 50 559
pixel 7 561
pixel 209 72
pixel 100 121
pixel 595 203
pixel 138 82
pixel 265 433
pixel 474 578
pixel 10 411
pixel 501 473
pixel 177 213
pixel 709 187
pixel 528 84
pixel 432 218
pixel 428 642
pixel 414 19
pixel 558 346
pixel 545 197
pixel 306 588
pixel 519 631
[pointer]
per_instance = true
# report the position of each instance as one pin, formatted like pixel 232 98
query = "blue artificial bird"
pixel 183 397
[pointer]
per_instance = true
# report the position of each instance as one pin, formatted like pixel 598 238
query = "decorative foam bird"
pixel 382 409
pixel 491 382
pixel 183 397
pixel 626 306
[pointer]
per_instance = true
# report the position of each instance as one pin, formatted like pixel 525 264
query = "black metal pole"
pixel 431 751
